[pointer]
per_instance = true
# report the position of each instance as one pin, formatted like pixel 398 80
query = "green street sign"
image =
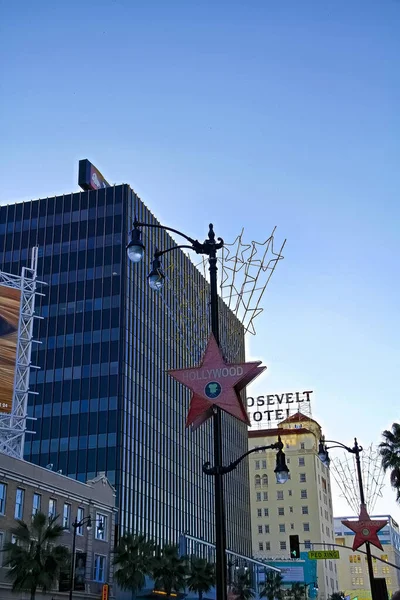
pixel 323 554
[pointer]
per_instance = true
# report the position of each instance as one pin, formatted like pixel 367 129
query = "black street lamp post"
pixel 75 526
pixel 356 450
pixel 209 247
pixel 135 251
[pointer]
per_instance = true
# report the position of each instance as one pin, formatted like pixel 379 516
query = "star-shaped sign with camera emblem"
pixel 366 529
pixel 218 383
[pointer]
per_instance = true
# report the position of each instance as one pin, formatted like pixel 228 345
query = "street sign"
pixel 323 554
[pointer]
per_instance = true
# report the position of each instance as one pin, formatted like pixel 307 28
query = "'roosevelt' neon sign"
pixel 278 406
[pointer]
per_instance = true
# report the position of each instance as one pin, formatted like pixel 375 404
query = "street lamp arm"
pixel 208 247
pixel 156 226
pixel 353 450
pixel 159 253
pixel 77 523
pixel 209 470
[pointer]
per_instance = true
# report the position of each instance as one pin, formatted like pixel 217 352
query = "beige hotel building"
pixel 301 506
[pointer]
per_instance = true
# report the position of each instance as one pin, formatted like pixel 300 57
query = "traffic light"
pixel 294 546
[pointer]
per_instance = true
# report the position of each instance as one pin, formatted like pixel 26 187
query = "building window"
pixel 385 570
pixel 266 528
pixel 388 580
pixel 258 497
pixel 304 510
pixel 257 465
pixel 80 515
pixel 3 495
pixel 301 461
pixel 290 492
pixel 306 526
pixel 281 511
pixel 99 568
pixel 279 495
pixel 265 496
pixel 260 529
pixel 307 544
pixel 260 546
pixel 266 512
pixel 302 446
pixel 303 494
pixel 265 479
pixel 36 504
pixel 101 527
pixel 14 539
pixel 259 512
pixel 288 461
pixel 52 507
pixel 1 547
pixel 264 464
pixel 267 545
pixel 257 481
pixel 67 516
pixel 302 477
pixel 282 545
pixel 291 525
pixel 19 504
pixel 291 509
pixel 282 528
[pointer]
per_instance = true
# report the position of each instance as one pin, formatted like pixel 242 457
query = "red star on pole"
pixel 216 382
pixel 366 529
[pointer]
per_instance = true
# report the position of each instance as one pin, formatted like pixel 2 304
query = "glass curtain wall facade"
pixel 105 401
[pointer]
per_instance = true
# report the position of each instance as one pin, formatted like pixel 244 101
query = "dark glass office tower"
pixel 105 401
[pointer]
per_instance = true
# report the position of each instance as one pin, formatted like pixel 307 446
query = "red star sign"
pixel 216 382
pixel 366 529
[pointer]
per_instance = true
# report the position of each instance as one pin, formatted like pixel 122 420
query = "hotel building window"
pixel 3 495
pixel 36 502
pixel 52 507
pixel 19 504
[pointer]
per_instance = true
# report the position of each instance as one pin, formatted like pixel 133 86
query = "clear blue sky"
pixel 250 114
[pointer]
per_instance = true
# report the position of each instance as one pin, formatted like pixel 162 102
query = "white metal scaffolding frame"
pixel 13 425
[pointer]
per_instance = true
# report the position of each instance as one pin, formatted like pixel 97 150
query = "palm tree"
pixel 390 453
pixel 297 592
pixel 133 559
pixel 272 586
pixel 170 570
pixel 242 587
pixel 34 561
pixel 201 576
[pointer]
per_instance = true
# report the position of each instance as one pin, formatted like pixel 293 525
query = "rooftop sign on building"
pixel 89 177
pixel 273 408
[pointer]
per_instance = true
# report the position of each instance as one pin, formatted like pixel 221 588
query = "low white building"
pixel 26 488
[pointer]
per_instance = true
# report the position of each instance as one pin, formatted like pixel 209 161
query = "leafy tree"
pixel 34 560
pixel 201 576
pixel 272 588
pixel 242 587
pixel 170 570
pixel 297 592
pixel 390 453
pixel 133 559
